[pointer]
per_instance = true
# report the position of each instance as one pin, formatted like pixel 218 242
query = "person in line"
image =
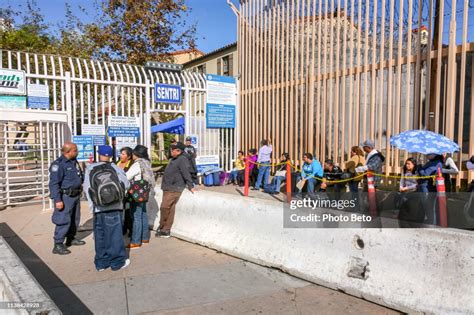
pixel 168 154
pixel 191 153
pixel 332 172
pixel 125 162
pixel 264 158
pixel 280 175
pixel 310 171
pixel 252 157
pixel 470 167
pixel 373 162
pixel 105 185
pixel 239 166
pixel 427 187
pixel 357 159
pixel 140 169
pixel 65 186
pixel 449 168
pixel 176 177
pixel 411 213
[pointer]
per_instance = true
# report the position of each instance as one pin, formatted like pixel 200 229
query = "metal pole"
pixel 42 163
pixel 147 126
pixel 68 102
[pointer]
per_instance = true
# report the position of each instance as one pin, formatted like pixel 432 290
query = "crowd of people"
pixel 314 177
pixel 117 194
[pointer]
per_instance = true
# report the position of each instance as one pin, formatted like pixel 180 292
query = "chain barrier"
pixel 358 176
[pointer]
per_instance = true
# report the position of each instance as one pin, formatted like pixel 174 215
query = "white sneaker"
pixel 99 270
pixel 127 263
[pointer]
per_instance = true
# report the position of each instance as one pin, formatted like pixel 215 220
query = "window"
pixel 201 69
pixel 225 65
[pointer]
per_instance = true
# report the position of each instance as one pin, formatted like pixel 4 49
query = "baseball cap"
pixel 189 139
pixel 105 150
pixel 368 143
pixel 178 145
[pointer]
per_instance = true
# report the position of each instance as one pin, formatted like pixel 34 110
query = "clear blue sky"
pixel 216 23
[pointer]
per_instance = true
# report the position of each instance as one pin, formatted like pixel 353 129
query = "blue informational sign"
pixel 123 131
pixel 165 93
pixel 38 102
pixel 220 116
pixel 99 140
pixel 205 163
pixel 85 147
pixel 221 101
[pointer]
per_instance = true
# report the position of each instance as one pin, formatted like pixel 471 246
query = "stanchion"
pixel 246 178
pixel 371 194
pixel 441 195
pixel 288 181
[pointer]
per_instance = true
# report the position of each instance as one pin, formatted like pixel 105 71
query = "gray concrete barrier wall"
pixel 425 270
pixel 19 288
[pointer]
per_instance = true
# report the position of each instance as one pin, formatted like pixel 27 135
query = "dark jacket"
pixel 333 175
pixel 177 175
pixel 429 169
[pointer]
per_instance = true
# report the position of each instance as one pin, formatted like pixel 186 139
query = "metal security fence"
pixel 27 150
pixel 321 76
pixel 87 92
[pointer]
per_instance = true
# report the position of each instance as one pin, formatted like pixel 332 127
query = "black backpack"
pixel 105 186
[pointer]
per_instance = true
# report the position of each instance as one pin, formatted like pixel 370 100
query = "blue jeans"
pixel 310 183
pixel 233 175
pixel 353 187
pixel 263 174
pixel 276 182
pixel 140 230
pixel 109 246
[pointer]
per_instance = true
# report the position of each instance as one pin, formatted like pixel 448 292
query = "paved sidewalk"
pixel 168 276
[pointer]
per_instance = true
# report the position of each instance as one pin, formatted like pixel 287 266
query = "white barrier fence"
pixel 425 270
pixel 88 91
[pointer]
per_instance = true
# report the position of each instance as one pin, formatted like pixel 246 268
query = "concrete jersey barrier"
pixel 426 270
pixel 19 288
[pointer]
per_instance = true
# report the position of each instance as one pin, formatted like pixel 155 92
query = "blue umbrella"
pixel 423 141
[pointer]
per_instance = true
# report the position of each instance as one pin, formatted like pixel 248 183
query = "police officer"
pixel 65 186
pixel 191 153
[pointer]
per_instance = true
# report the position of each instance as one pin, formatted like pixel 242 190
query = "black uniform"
pixel 65 185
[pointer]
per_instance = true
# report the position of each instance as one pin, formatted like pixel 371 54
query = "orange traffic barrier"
pixel 371 194
pixel 441 195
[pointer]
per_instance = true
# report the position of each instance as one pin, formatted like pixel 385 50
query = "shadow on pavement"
pixel 62 296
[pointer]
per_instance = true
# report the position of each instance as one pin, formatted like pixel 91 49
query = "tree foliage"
pixel 131 31
pixel 137 31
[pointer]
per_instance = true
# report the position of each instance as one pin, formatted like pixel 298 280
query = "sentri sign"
pixel 165 93
pixel 12 82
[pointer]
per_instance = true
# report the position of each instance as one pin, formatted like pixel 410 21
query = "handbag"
pixel 280 173
pixel 139 190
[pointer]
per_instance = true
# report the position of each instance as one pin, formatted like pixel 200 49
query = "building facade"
pixel 223 61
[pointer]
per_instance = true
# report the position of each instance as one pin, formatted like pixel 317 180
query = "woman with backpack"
pixel 142 182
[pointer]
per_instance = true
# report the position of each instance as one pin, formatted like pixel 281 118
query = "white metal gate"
pixel 88 91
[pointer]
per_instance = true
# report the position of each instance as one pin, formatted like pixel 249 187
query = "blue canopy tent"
pixel 175 126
